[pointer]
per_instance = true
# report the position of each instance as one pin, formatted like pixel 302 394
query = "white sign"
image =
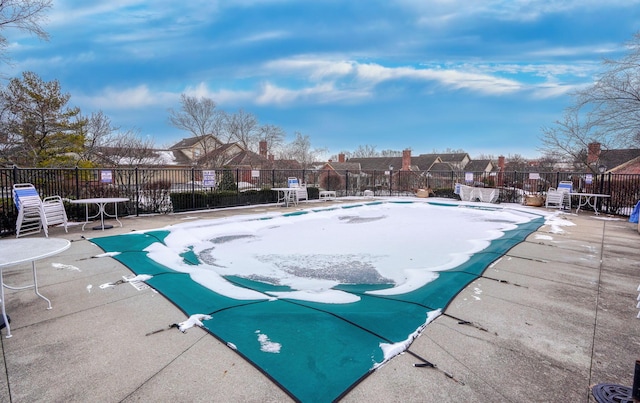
pixel 588 179
pixel 468 176
pixel 209 178
pixel 255 173
pixel 533 175
pixel 106 176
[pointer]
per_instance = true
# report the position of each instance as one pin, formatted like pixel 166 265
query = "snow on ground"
pixel 400 245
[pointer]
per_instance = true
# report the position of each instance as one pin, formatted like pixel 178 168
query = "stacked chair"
pixel 561 197
pixel 35 214
pixel 301 192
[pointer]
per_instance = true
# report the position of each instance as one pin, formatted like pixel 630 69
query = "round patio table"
pixel 16 251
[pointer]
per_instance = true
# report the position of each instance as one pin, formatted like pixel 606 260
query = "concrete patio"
pixel 555 316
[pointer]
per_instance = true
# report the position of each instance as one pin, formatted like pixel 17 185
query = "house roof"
pixel 185 143
pixel 442 166
pixel 286 164
pixel 631 167
pixel 378 163
pixel 424 161
pixel 453 157
pixel 615 158
pixel 479 166
pixel 247 158
pixel 343 166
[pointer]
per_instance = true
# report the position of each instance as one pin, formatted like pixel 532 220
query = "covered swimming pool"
pixel 319 298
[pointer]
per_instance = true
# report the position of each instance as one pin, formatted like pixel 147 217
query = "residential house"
pixel 335 175
pixel 614 161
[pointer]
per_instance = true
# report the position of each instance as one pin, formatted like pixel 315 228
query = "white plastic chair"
pixel 35 214
pixel 558 198
pixel 301 192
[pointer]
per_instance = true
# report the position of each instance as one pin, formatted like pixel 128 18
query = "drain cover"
pixel 608 393
pixel 138 285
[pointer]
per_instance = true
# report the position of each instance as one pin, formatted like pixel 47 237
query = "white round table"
pixel 21 250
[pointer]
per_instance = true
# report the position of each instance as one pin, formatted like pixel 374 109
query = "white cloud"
pixel 264 36
pixel 322 93
pixel 443 12
pixel 315 69
pixel 221 97
pixel 128 98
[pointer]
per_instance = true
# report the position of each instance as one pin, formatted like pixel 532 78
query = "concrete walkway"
pixel 555 316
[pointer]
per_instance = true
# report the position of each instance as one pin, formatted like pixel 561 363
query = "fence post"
pixel 77 174
pixel 137 194
pixel 346 182
pixel 193 191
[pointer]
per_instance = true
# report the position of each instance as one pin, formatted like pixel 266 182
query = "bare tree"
pixel 365 151
pixel 516 162
pixel 199 117
pixel 390 153
pixel 607 112
pixel 274 136
pixel 614 99
pixel 97 131
pixel 24 15
pixel 483 156
pixel 242 127
pixel 568 139
pixel 130 149
pixel 300 150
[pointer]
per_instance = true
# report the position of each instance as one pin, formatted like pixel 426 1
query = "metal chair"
pixel 35 214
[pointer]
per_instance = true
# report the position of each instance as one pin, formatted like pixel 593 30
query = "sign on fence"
pixel 209 178
pixel 106 176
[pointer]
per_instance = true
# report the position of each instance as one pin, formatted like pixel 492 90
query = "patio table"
pixel 101 202
pixel 16 251
pixel 286 195
pixel 589 199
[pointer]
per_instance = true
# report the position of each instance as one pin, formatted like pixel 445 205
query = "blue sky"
pixel 478 75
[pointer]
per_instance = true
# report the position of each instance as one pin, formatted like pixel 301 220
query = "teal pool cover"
pixel 327 348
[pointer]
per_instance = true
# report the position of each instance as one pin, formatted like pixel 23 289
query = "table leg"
pixel 4 312
pixel 595 205
pixel 101 208
pixel 102 213
pixel 115 207
pixel 35 285
pixel 86 215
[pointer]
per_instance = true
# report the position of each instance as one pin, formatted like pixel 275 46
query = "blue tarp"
pixel 635 213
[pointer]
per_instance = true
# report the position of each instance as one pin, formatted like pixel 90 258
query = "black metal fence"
pixel 164 190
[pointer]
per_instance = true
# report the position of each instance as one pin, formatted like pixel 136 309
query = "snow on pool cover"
pixel 320 298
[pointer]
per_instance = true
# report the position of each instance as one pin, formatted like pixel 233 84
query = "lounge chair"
pixel 558 198
pixel 35 214
pixel 301 193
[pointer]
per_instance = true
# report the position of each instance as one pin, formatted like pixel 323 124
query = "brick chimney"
pixel 406 160
pixel 501 166
pixel 340 157
pixel 263 148
pixel 593 152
